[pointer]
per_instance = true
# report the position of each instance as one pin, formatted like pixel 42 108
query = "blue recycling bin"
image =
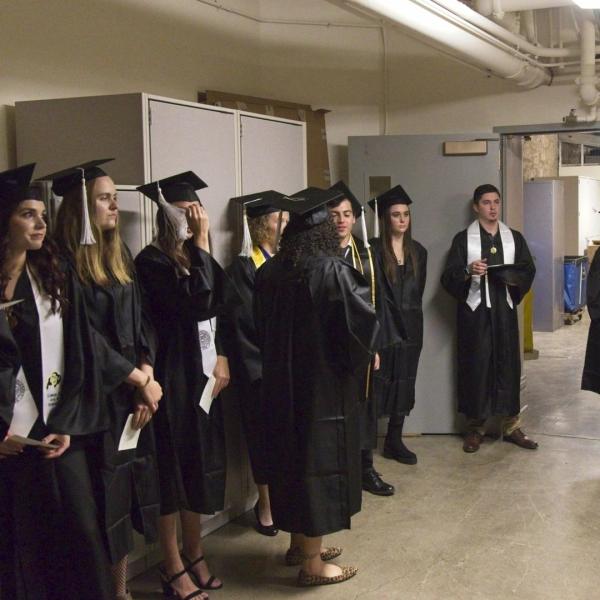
pixel 576 269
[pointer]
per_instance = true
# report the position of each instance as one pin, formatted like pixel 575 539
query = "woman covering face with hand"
pixel 50 391
pixel 186 290
pixel 88 232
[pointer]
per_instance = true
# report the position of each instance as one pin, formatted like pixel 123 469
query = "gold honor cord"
pixel 355 260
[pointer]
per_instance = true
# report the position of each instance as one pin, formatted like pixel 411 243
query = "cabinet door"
pixel 273 155
pixel 192 138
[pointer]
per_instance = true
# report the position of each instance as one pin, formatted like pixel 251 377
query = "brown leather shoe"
pixel 520 439
pixel 472 441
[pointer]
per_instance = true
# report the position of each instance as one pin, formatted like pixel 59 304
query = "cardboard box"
pixel 591 251
pixel 316 135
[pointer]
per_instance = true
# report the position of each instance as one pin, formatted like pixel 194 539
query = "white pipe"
pixel 473 17
pixel 529 25
pixel 492 7
pixel 425 17
pixel 587 81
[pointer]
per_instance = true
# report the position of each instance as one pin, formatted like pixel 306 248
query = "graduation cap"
pixel 357 208
pixel 68 179
pixel 308 208
pixel 254 206
pixel 177 188
pixel 395 195
pixel 509 274
pixel 15 186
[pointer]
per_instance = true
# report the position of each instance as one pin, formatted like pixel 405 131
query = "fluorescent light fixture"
pixel 587 3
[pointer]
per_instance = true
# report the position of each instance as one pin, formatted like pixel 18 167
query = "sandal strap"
pixel 169 579
pixel 208 584
pixel 194 595
pixel 191 563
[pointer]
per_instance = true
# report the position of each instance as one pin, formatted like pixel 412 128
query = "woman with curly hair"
pixel 316 330
pixel 127 486
pixel 50 394
pixel 265 224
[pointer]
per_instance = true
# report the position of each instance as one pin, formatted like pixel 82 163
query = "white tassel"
pixel 279 227
pixel 363 225
pixel 87 235
pixel 376 221
pixel 175 217
pixel 247 238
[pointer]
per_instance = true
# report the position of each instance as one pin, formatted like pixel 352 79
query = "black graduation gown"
pixel 190 443
pixel 363 260
pixel 51 545
pixel 399 301
pixel 245 363
pixel 316 330
pixel 489 362
pixel 591 369
pixel 126 481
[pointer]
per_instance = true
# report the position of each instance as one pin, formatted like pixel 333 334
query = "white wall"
pixel 62 48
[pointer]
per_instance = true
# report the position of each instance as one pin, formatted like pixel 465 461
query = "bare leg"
pixel 167 528
pixel 312 563
pixel 191 529
pixel 264 505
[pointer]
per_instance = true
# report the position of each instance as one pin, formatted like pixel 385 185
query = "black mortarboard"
pixel 65 180
pixel 259 204
pixel 509 274
pixel 348 195
pixel 395 195
pixel 15 185
pixel 308 208
pixel 177 188
pixel 76 176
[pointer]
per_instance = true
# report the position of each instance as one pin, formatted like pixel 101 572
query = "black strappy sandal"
pixel 170 592
pixel 189 565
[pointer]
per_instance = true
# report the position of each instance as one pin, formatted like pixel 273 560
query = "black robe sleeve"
pixel 9 365
pixel 454 278
pixel 521 279
pixel 593 288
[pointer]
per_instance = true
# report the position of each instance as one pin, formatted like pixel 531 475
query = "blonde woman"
pixel 88 233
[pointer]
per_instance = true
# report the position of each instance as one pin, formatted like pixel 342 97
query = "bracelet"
pixel 147 382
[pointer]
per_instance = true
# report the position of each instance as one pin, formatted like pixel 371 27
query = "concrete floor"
pixel 502 523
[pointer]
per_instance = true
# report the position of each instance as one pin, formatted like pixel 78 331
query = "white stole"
pixel 53 366
pixel 474 253
pixel 206 337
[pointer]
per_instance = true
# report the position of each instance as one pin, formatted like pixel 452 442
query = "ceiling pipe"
pixel 587 80
pixel 519 42
pixel 426 18
pixel 493 7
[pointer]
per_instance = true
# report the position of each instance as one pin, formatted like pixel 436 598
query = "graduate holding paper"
pixel 186 290
pixel 488 271
pixel 50 393
pixel 126 478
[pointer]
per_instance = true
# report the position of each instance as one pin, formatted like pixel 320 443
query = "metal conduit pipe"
pixel 425 17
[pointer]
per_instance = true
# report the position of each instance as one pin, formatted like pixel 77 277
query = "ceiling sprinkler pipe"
pixel 588 80
pixel 491 7
pixel 445 30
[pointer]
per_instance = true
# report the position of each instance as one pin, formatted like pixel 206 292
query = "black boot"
pixel 394 447
pixel 371 479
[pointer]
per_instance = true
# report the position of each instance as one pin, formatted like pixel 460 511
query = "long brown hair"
pixel 389 258
pixel 44 263
pixel 101 263
pixel 169 244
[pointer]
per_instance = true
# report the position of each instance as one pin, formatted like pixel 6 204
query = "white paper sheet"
pixel 130 436
pixel 30 442
pixel 207 394
pixel 4 305
pixel 25 412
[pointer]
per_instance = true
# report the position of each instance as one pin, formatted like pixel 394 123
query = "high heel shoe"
pixel 189 566
pixel 169 591
pixel 268 530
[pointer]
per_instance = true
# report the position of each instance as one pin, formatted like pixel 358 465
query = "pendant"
pixel 493 250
